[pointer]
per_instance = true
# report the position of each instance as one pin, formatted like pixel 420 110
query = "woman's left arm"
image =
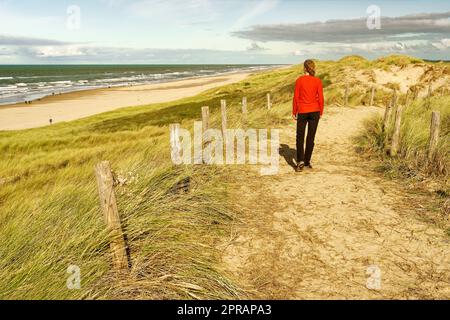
pixel 295 102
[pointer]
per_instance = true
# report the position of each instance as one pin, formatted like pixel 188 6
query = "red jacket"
pixel 308 95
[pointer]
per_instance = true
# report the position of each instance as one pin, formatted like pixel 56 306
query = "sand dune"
pixel 76 105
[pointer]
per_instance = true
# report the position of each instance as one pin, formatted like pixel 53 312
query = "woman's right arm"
pixel 321 98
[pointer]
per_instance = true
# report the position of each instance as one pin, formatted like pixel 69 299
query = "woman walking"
pixel 308 108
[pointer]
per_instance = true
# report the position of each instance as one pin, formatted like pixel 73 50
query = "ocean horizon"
pixel 22 83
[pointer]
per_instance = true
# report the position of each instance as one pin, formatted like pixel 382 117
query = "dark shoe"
pixel 300 167
pixel 309 166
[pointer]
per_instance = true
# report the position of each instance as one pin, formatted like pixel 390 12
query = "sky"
pixel 219 31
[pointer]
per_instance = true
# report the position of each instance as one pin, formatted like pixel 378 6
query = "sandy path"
pixel 313 235
pixel 78 105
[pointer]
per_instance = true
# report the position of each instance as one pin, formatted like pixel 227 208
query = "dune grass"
pixel 50 216
pixel 49 209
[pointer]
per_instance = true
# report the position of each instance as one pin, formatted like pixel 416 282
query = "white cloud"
pixel 383 47
pixel 254 47
pixel 78 53
pixel 59 51
pixel 27 41
pixel 443 44
pixel 442 22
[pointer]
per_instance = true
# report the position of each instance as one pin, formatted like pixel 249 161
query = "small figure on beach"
pixel 50 121
pixel 308 108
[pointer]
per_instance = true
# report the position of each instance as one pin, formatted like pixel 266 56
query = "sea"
pixel 26 83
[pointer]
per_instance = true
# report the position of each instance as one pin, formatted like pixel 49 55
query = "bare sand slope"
pixel 410 76
pixel 405 77
pixel 313 235
pixel 78 105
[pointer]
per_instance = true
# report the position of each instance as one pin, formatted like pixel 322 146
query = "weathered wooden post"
pixel 434 134
pixel 224 117
pixel 105 183
pixel 413 94
pixel 205 118
pixel 346 96
pixel 244 105
pixel 372 96
pixel 407 99
pixel 206 126
pixel 175 143
pixel 269 102
pixel 396 135
pixel 387 113
pixel 394 99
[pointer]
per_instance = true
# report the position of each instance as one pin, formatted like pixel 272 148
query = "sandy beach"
pixel 77 105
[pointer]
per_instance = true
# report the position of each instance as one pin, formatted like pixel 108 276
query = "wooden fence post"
pixel 224 117
pixel 346 96
pixel 372 96
pixel 407 99
pixel 244 105
pixel 206 126
pixel 394 99
pixel 387 113
pixel 269 102
pixel 205 118
pixel 396 135
pixel 105 183
pixel 414 94
pixel 175 143
pixel 434 134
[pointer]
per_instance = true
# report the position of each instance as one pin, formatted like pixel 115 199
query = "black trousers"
pixel 312 120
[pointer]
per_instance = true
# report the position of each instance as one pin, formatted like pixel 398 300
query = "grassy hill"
pixel 49 210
